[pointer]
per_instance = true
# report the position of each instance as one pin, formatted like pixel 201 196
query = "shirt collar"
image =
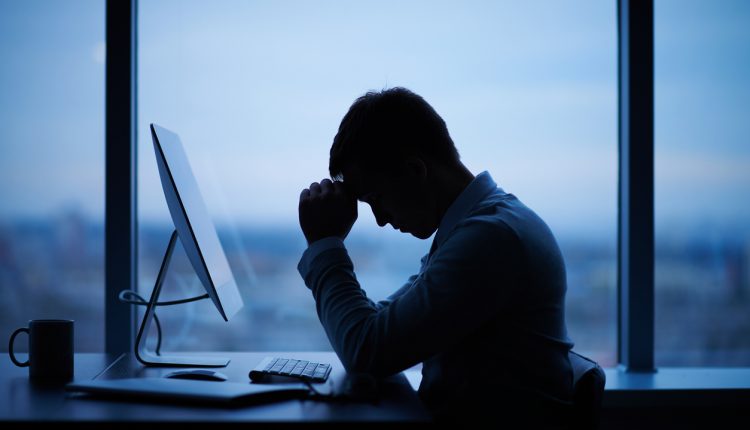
pixel 477 189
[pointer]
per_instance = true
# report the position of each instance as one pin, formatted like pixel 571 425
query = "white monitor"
pixel 197 233
pixel 193 224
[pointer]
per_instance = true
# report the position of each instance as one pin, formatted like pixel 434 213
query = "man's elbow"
pixel 365 360
pixel 359 354
pixel 358 365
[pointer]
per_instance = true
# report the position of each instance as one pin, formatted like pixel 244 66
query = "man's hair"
pixel 383 126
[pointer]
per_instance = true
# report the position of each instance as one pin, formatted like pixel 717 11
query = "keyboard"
pixel 281 369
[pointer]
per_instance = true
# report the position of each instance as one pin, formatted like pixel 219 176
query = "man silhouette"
pixel 485 313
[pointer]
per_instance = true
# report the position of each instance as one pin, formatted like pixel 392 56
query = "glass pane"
pixel 52 166
pixel 702 184
pixel 257 90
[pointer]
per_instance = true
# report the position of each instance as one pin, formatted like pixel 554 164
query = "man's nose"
pixel 379 218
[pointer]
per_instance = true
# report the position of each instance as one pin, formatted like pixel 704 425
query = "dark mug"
pixel 50 350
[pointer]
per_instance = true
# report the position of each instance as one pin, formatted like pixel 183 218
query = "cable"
pixel 317 394
pixel 140 301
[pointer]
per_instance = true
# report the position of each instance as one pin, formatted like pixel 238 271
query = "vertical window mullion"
pixel 636 185
pixel 120 177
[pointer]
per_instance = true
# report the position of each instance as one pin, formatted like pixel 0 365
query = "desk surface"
pixel 22 401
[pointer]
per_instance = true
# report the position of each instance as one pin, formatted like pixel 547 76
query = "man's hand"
pixel 326 209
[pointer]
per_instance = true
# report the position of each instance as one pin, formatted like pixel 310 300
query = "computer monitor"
pixel 197 233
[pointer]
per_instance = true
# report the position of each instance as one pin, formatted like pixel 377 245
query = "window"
pixel 52 166
pixel 256 90
pixel 702 183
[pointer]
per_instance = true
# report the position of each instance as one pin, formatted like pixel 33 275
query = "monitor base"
pixel 152 360
pixel 148 358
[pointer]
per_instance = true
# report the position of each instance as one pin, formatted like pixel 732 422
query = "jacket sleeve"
pixel 467 282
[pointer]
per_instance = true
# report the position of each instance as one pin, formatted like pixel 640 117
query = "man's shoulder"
pixel 485 228
pixel 495 212
pixel 505 210
pixel 502 216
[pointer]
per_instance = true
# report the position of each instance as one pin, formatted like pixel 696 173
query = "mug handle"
pixel 10 348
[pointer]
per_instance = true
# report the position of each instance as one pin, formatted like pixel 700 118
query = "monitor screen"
pixel 193 224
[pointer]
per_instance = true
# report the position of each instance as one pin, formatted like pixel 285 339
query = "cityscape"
pixel 54 268
pixel 256 89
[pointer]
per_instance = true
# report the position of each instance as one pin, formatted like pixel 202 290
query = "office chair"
pixel 588 391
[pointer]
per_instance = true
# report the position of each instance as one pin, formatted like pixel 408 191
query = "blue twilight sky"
pixel 256 90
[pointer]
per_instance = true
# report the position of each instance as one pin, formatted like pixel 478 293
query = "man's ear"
pixel 416 168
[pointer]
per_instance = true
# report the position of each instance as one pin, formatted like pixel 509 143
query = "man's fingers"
pixel 325 210
pixel 305 194
pixel 314 190
pixel 326 187
pixel 322 189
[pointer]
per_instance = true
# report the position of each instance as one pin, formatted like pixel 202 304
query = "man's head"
pixel 390 150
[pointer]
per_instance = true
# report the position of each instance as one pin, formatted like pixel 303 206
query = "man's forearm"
pixel 345 312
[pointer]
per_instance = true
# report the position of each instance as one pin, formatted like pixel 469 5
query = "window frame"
pixel 635 259
pixel 120 208
pixel 635 215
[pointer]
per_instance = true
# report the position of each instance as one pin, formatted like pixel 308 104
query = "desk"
pixel 25 402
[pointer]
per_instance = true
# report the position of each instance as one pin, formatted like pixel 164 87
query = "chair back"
pixel 588 391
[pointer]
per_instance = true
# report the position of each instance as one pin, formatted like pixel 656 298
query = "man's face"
pixel 400 198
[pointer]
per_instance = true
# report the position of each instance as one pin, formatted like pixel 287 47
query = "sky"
pixel 256 90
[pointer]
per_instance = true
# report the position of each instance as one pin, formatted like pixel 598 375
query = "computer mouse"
pixel 197 374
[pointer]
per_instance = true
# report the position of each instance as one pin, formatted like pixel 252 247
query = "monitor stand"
pixel 148 358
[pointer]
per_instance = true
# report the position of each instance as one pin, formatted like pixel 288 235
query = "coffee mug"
pixel 50 350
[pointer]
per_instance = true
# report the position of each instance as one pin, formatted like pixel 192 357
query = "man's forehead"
pixel 354 180
pixel 362 181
